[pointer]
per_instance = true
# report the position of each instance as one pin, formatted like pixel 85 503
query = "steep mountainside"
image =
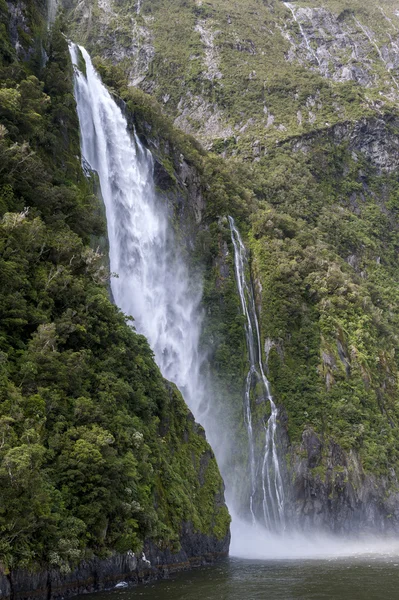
pixel 284 116
pixel 301 100
pixel 100 458
pixel 243 75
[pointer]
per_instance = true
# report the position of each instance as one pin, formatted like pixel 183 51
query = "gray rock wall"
pixel 96 574
pixel 330 492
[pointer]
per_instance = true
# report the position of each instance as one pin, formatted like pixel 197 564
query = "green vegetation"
pixel 97 451
pixel 234 73
pixel 325 248
pixel 322 226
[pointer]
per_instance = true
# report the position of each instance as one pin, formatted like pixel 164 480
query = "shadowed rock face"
pixel 376 139
pixel 339 497
pixel 96 574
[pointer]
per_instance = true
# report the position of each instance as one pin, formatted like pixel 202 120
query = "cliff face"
pixel 129 568
pixel 103 472
pixel 298 104
pixel 247 72
pixel 332 492
pixel 304 98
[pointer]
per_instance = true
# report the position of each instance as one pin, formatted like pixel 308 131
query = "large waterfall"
pixel 265 470
pixel 152 284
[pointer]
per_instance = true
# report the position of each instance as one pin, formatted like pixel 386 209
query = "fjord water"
pixel 367 578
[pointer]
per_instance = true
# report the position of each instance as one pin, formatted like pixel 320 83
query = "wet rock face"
pixel 196 549
pixel 19 25
pixel 340 47
pixel 181 187
pixel 375 139
pixel 331 493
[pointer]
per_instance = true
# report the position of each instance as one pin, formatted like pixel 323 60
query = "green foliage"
pixel 231 72
pixel 322 226
pixel 97 451
pixel 325 249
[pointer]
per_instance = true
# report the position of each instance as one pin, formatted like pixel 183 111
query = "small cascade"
pixel 290 7
pixel 52 8
pixel 265 472
pixel 370 39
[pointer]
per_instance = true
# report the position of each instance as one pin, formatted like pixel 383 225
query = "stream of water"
pixel 267 473
pixel 153 283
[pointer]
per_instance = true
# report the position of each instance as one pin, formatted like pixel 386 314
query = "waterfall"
pixel 52 8
pixel 153 284
pixel 156 287
pixel 266 471
pixel 303 34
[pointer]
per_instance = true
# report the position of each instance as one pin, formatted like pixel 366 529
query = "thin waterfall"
pixel 153 283
pixel 268 476
pixel 290 7
pixel 52 8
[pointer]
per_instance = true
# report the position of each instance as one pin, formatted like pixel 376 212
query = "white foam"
pixel 256 543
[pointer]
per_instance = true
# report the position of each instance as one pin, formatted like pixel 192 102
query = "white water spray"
pixel 153 283
pixel 254 542
pixel 269 473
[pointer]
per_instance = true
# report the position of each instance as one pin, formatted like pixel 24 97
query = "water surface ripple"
pixel 362 578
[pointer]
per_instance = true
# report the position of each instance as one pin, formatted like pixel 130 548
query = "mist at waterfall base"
pixel 155 286
pixel 255 542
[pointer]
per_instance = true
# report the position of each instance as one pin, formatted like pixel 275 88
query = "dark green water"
pixel 372 578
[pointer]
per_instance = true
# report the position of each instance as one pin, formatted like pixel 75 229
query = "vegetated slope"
pixel 241 75
pixel 98 453
pixel 310 104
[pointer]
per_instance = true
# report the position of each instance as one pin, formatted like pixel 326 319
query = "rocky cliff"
pixel 298 104
pixel 103 472
pixel 301 101
pixel 119 569
pixel 237 74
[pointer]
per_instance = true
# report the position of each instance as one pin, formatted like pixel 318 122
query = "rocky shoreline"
pixel 101 574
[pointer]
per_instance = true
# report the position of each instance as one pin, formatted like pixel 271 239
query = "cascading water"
pixel 52 7
pixel 155 286
pixel 290 7
pixel 265 472
pixel 153 283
